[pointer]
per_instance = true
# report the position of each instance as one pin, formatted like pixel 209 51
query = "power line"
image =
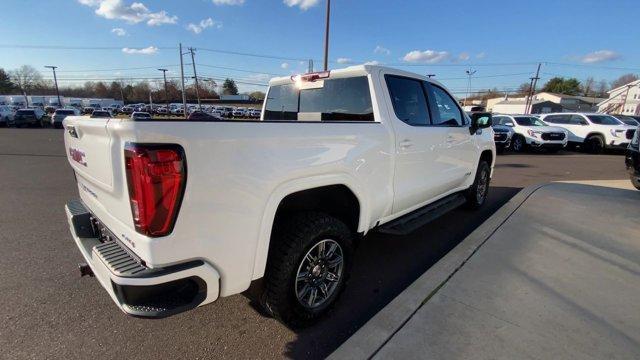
pixel 117 69
pixel 593 66
pixel 263 56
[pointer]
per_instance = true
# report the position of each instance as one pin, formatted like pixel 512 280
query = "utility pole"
pixel 184 94
pixel 195 76
pixel 326 37
pixel 55 80
pixel 166 94
pixel 532 90
pixel 469 73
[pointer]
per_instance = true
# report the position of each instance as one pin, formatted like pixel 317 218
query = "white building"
pixel 624 100
pixel 543 102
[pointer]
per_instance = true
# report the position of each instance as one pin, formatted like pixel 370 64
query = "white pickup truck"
pixel 175 213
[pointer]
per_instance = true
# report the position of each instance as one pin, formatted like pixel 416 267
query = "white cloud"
pixel 427 56
pixel 303 4
pixel 119 31
pixel 203 24
pixel 151 50
pixel 284 65
pixel 228 2
pixel 373 62
pixel 381 50
pixel 599 56
pixel 132 13
pixel 463 56
pixel 343 60
pixel 481 55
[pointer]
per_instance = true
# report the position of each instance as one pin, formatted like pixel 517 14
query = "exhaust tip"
pixel 85 270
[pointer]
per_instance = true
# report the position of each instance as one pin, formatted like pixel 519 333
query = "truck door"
pixel 460 148
pixel 422 164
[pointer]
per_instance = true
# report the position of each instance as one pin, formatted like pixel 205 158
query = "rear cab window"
pixel 339 99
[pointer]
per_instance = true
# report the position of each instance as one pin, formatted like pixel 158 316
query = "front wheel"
pixel 308 267
pixel 518 144
pixel 594 144
pixel 476 195
pixel 635 181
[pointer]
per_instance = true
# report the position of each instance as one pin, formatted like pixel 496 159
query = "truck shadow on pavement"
pixel 384 266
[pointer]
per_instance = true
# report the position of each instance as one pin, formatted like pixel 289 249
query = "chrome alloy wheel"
pixel 319 274
pixel 483 184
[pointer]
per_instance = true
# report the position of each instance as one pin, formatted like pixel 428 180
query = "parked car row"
pixel 590 132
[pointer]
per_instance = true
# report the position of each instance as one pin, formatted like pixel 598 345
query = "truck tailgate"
pixel 94 150
pixel 88 146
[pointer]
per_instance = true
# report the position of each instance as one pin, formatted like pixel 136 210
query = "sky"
pixel 253 40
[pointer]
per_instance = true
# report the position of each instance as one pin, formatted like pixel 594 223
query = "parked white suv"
pixel 593 132
pixel 531 132
pixel 175 213
pixel 6 114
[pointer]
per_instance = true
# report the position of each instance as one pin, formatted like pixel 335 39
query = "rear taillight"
pixel 156 177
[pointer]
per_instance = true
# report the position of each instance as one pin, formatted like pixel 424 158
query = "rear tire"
pixel 476 195
pixel 594 144
pixel 297 270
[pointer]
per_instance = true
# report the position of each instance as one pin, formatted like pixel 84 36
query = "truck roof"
pixel 356 70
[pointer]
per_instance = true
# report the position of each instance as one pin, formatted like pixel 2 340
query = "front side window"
pixel 346 99
pixel 603 120
pixel 445 108
pixel 408 99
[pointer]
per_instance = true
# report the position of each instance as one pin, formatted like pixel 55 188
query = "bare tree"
pixel 26 78
pixel 623 80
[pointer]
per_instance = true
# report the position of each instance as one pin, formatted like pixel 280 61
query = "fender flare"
pixel 290 187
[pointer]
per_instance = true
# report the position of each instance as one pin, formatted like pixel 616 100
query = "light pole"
pixel 166 94
pixel 55 81
pixel 469 73
pixel 326 37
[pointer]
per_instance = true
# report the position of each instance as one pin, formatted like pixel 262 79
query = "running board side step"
pixel 418 218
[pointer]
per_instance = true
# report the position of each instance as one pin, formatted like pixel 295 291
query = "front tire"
pixel 476 195
pixel 635 181
pixel 518 144
pixel 308 267
pixel 594 144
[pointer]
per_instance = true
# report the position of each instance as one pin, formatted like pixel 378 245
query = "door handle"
pixel 405 144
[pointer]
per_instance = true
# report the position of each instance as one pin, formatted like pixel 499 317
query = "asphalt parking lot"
pixel 49 312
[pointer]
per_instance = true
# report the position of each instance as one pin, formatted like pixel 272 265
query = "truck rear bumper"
pixel 136 288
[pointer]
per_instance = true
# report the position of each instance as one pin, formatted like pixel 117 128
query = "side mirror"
pixel 480 121
pixel 584 122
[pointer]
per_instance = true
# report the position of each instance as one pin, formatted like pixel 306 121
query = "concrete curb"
pixel 367 341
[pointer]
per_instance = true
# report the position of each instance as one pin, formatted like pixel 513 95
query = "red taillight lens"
pixel 156 176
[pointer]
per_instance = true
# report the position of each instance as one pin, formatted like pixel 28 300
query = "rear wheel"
pixel 476 195
pixel 594 144
pixel 308 267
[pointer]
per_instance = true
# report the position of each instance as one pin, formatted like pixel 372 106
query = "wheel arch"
pixel 294 194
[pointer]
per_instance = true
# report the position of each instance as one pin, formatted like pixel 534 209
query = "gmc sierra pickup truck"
pixel 175 213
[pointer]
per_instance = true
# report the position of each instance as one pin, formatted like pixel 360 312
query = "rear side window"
pixel 347 99
pixel 408 99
